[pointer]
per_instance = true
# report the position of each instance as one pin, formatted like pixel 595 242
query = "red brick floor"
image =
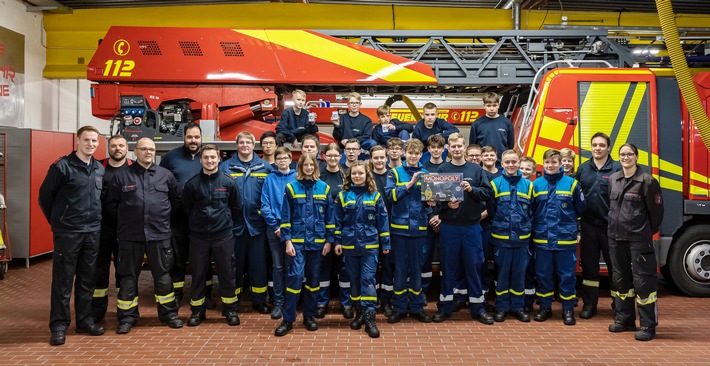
pixel 683 337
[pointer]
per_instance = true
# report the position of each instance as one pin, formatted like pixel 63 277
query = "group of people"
pixel 359 216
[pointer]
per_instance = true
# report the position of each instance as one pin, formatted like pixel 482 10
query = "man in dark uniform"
pixel 142 198
pixel 184 163
pixel 593 176
pixel 70 199
pixel 211 200
pixel 108 244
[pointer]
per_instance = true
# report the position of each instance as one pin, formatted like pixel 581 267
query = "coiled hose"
pixel 680 68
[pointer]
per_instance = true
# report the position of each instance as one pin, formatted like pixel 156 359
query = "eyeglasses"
pixel 283 158
pixel 144 149
pixel 627 155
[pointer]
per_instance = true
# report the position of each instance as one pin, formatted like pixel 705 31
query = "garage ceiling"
pixel 679 6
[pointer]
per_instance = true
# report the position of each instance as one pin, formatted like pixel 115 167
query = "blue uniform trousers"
pixel 254 248
pixel 461 247
pixel 510 289
pixel 408 255
pixel 330 262
pixel 361 270
pixel 560 263
pixel 385 278
pixel 432 242
pixel 306 262
pixel 530 279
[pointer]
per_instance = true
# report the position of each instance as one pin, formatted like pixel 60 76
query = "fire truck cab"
pixel 641 107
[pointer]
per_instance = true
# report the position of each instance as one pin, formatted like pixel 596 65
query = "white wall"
pixel 50 104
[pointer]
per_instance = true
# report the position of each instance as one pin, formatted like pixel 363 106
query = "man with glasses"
pixel 352 150
pixel 268 148
pixel 354 124
pixel 250 172
pixel 184 163
pixel 142 197
pixel 593 176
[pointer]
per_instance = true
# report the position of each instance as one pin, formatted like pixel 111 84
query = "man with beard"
pixel 108 244
pixel 184 163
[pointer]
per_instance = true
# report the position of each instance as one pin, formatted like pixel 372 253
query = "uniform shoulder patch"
pixel 659 199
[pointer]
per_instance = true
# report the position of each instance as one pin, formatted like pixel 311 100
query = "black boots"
pixel 568 317
pixel 359 319
pixel 370 326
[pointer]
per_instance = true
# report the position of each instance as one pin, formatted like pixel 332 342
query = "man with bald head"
pixel 142 198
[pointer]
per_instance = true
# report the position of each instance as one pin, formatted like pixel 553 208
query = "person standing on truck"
pixel 250 172
pixel 70 199
pixel 635 215
pixel 108 244
pixel 493 129
pixel 432 125
pixel 354 125
pixel 184 163
pixel 295 122
pixel 557 203
pixel 143 197
pixel 211 200
pixel 593 176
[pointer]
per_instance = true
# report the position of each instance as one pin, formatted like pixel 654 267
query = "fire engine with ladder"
pixel 153 81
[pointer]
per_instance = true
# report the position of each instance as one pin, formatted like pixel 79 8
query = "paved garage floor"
pixel 683 336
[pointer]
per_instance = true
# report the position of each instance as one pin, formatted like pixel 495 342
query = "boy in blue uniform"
pixel 510 235
pixel 354 124
pixel 361 228
pixel 271 200
pixel 432 125
pixel 557 202
pixel 307 228
pixel 492 129
pixel 409 224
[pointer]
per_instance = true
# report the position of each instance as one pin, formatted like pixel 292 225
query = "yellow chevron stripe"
pixel 343 55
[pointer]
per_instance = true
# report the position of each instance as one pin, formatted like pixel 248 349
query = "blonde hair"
pixel 569 154
pixel 299 92
pixel 369 180
pixel 302 160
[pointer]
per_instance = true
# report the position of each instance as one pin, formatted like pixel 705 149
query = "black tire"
pixel 689 261
pixel 3 270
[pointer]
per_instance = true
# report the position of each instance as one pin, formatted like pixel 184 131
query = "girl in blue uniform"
pixel 361 227
pixel 307 231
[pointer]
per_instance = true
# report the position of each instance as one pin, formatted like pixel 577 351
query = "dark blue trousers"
pixel 305 263
pixel 561 263
pixel 512 264
pixel 361 270
pixel 408 256
pixel 461 247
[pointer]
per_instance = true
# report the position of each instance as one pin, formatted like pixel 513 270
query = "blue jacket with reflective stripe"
pixel 361 223
pixel 250 177
pixel 272 195
pixel 511 211
pixel 557 202
pixel 409 216
pixel 307 217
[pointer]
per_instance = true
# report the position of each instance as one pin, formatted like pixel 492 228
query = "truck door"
pixel 619 109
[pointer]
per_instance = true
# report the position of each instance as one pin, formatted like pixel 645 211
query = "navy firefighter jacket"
pixel 361 223
pixel 557 202
pixel 307 217
pixel 511 211
pixel 212 203
pixel 410 215
pixel 250 177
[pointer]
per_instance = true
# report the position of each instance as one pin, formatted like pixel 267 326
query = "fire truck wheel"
pixel 689 261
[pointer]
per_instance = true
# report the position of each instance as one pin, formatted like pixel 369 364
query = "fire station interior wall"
pixel 50 104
